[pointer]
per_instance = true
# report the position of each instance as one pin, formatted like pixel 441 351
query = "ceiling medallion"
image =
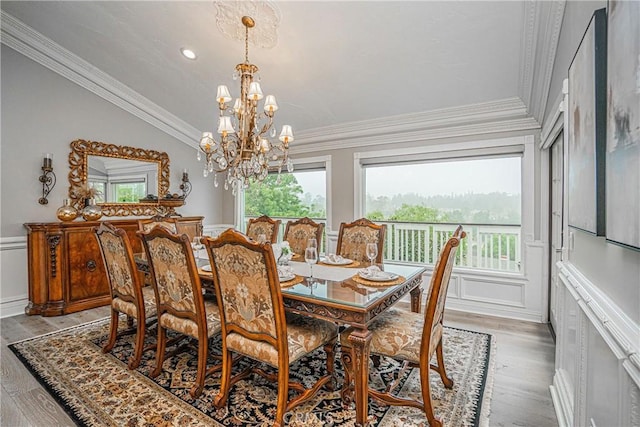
pixel 267 15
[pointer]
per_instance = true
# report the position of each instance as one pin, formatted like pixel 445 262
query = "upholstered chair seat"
pixel 304 335
pixel 189 327
pixel 396 333
pixel 130 308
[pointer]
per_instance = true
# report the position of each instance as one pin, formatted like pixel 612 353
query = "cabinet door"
pixel 87 275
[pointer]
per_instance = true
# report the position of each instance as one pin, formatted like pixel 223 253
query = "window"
pixel 423 200
pixel 476 191
pixel 130 190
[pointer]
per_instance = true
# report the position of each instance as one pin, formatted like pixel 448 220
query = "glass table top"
pixel 334 284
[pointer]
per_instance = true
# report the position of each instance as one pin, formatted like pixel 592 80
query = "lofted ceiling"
pixel 333 63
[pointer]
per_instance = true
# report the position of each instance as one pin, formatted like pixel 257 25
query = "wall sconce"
pixel 186 185
pixel 48 178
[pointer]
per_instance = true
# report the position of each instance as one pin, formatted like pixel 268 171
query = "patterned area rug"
pixel 97 389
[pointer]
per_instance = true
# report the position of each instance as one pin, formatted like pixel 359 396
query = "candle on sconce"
pixel 47 161
pixel 186 185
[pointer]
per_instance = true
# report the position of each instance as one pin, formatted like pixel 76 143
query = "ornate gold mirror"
pixel 121 177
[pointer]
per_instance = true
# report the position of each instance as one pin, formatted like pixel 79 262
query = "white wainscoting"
pixel 214 230
pixel 514 296
pixel 597 379
pixel 14 288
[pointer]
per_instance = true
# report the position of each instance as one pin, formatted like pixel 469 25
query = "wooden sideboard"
pixel 66 271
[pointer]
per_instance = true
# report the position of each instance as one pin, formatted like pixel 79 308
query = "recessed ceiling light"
pixel 188 53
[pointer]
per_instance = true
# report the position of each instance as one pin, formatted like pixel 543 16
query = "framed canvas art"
pixel 587 132
pixel 623 124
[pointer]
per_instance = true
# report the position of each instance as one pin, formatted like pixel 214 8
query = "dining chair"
pixel 298 233
pixel 354 236
pixel 181 306
pixel 263 225
pixel 254 323
pixel 128 295
pixel 412 338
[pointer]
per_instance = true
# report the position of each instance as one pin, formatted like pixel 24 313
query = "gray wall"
pixel 43 112
pixel 613 269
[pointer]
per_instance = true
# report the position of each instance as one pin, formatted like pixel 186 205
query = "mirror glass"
pixel 121 180
pixel 122 176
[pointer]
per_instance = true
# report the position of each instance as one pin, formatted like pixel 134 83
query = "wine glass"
pixel 311 257
pixel 312 243
pixel 372 251
pixel 196 245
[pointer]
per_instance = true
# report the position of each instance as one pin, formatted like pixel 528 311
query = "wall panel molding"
pixel 35 46
pixel 13 272
pixel 606 347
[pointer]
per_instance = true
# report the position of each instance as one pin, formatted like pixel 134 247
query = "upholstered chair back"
pixel 353 238
pixel 263 225
pixel 299 232
pixel 148 224
pixel 245 277
pixel 438 287
pixel 176 280
pixel 118 260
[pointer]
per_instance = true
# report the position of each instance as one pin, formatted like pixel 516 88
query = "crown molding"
pixel 528 49
pixel 542 24
pixel 506 115
pixel 35 46
pixel 550 26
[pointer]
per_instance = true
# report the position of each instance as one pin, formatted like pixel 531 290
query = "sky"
pixel 434 178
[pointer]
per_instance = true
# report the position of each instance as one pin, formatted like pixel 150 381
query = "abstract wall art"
pixel 623 124
pixel 587 130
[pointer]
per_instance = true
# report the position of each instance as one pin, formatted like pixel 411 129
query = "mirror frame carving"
pixel 78 163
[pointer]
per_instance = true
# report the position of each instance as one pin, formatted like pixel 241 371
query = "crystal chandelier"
pixel 243 150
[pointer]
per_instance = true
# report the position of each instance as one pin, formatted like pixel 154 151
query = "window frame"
pixel 324 162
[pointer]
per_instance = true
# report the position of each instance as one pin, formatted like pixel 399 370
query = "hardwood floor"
pixel 524 370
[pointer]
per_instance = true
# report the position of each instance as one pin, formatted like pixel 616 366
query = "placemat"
pixel 297 279
pixel 356 278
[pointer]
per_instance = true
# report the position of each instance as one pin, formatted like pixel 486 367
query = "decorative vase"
pixel 91 211
pixel 66 212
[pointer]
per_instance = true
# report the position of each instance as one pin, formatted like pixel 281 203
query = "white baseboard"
pixel 13 306
pixel 474 307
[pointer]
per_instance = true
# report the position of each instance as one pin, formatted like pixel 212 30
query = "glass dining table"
pixel 338 294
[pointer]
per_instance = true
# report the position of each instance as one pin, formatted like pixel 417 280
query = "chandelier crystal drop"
pixel 244 150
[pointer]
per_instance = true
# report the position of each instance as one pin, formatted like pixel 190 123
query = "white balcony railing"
pixel 486 247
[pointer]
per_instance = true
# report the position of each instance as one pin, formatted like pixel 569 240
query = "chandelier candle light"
pixel 243 150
